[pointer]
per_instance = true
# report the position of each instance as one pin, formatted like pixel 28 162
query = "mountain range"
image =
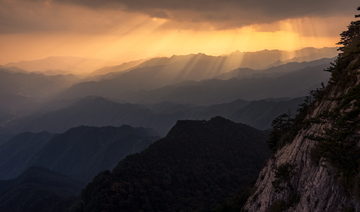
pixel 197 166
pixel 77 65
pixel 22 93
pixel 155 80
pixel 61 65
pixel 109 71
pixel 273 71
pixel 207 92
pixel 38 190
pixel 80 152
pixel 33 85
pixel 129 87
pixel 60 130
pixel 98 111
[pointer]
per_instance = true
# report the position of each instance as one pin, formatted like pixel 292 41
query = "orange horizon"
pixel 69 30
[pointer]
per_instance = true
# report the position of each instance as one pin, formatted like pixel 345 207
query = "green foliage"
pixel 196 167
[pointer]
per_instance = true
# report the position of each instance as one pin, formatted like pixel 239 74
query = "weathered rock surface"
pixel 307 186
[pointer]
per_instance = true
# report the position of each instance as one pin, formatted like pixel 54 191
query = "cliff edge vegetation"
pixel 316 161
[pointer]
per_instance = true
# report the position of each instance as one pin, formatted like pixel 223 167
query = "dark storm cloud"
pixel 99 15
pixel 248 11
pixel 20 16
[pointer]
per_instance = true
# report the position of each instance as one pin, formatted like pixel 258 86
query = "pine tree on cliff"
pixel 281 125
pixel 352 33
pixel 318 166
pixel 347 38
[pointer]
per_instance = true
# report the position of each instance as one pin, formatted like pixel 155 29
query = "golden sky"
pixel 124 30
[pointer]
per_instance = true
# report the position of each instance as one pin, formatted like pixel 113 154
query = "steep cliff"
pixel 316 165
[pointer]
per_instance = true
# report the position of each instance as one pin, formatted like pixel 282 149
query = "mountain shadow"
pixel 168 73
pixel 214 91
pixel 38 190
pixel 80 152
pixel 160 116
pixel 17 151
pixel 33 85
pixel 195 167
pixel 21 93
pixel 260 114
pixel 274 71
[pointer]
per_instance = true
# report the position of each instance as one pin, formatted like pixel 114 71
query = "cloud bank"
pixel 237 12
pixel 99 15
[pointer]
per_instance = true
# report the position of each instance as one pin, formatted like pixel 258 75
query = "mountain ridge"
pixel 162 116
pixel 68 64
pixel 211 91
pixel 80 152
pixel 192 168
pixel 39 190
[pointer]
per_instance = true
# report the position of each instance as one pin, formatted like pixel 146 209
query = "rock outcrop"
pixel 307 186
pixel 318 170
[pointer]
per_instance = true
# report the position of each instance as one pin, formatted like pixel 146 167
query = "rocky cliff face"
pixel 306 186
pixel 319 169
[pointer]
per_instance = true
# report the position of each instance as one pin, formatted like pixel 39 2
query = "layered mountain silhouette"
pixel 269 58
pixel 274 71
pixel 16 153
pixel 220 64
pixel 112 71
pixel 5 136
pixel 23 94
pixel 13 69
pixel 205 92
pixel 34 85
pixel 61 65
pixel 80 128
pixel 77 65
pixel 161 116
pixel 154 73
pixel 80 152
pixel 260 114
pixel 195 167
pixel 215 91
pixel 148 81
pixel 13 106
pixel 20 93
pixel 38 190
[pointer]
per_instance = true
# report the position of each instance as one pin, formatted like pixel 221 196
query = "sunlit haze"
pixel 38 29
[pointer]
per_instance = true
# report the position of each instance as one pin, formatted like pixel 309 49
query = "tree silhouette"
pixel 281 125
pixel 351 34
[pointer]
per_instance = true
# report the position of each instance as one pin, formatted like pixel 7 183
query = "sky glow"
pixel 122 32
